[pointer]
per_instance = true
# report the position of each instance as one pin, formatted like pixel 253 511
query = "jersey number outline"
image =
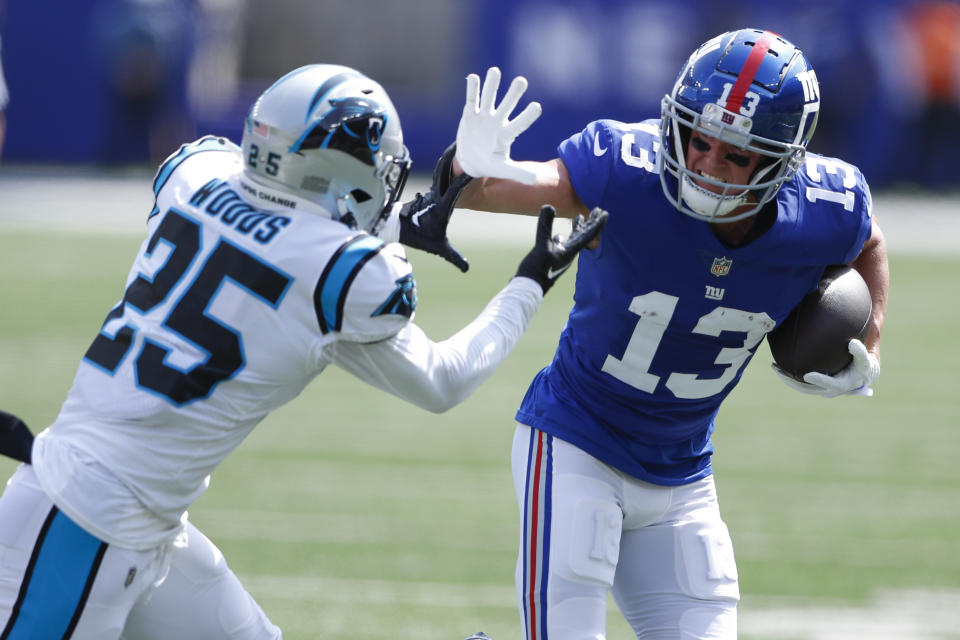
pixel 817 166
pixel 188 319
pixel 655 310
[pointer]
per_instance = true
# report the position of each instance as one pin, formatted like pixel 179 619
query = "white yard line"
pixel 912 614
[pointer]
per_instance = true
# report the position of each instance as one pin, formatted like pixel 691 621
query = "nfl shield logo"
pixel 721 266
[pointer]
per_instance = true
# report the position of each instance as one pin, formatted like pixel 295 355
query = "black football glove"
pixel 551 257
pixel 16 441
pixel 423 220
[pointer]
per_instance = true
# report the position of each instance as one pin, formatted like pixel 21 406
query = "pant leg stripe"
pixel 524 601
pixel 534 535
pixel 547 509
pixel 57 581
pixel 537 534
pixel 91 576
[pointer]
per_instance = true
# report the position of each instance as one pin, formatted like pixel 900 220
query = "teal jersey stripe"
pixel 330 295
pixel 207 143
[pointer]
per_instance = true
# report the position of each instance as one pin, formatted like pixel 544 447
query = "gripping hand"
pixel 424 220
pixel 551 257
pixel 854 379
pixel 485 134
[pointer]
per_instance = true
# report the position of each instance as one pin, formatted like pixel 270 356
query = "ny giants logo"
pixel 714 293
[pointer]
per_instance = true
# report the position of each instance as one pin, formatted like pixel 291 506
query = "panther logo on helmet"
pixel 352 125
pixel 332 137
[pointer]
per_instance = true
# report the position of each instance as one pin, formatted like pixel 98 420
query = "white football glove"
pixel 485 134
pixel 855 379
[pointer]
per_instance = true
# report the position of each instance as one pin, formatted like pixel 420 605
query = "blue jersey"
pixel 666 316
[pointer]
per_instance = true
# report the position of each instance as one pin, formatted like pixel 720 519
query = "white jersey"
pixel 238 298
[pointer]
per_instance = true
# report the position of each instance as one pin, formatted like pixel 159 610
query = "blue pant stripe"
pixel 57 581
pixel 525 545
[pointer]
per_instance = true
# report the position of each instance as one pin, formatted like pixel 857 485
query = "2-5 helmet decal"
pixel 329 134
pixel 749 88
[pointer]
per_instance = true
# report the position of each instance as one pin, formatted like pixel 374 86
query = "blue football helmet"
pixel 331 135
pixel 749 88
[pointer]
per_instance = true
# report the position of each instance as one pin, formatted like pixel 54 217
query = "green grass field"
pixel 351 515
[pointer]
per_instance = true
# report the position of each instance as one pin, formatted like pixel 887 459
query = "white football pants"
pixel 588 529
pixel 58 581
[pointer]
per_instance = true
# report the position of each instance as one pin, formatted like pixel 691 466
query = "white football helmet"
pixel 331 135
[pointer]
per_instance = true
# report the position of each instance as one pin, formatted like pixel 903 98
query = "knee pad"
pixel 590 540
pixel 704 562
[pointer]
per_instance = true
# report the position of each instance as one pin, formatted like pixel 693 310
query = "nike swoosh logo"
pixel 553 274
pixel 597 149
pixel 416 217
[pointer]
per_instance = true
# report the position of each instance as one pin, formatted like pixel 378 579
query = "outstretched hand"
pixel 485 133
pixel 424 220
pixel 550 257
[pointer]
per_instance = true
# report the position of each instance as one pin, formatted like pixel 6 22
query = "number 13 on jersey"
pixel 656 309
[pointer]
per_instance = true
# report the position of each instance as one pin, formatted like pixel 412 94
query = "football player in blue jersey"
pixel 720 223
pixel 262 266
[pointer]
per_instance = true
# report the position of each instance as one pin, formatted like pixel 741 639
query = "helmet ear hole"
pixel 360 196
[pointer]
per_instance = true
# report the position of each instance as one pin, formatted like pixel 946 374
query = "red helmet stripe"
pixel 749 71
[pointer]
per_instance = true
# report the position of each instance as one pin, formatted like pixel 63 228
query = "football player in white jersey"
pixel 262 266
pixel 720 223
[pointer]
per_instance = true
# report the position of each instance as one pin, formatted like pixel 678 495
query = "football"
pixel 814 337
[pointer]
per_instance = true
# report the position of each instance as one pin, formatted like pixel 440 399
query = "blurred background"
pixel 351 515
pixel 121 82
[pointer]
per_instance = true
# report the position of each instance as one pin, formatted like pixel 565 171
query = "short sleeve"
pixel 864 217
pixel 367 292
pixel 587 156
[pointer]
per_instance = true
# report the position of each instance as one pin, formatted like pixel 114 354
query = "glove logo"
pixel 555 273
pixel 597 149
pixel 415 219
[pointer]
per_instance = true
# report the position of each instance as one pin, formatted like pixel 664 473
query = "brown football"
pixel 814 337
